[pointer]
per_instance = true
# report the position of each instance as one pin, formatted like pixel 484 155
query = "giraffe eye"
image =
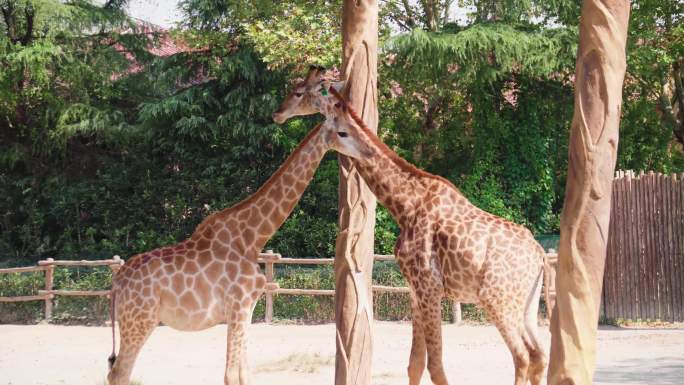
pixel 342 134
pixel 298 94
pixel 338 104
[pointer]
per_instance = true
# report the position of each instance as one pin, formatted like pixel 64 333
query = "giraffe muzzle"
pixel 278 117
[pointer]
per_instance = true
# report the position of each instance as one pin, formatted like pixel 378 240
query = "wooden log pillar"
pixel 49 282
pixel 354 247
pixel 600 71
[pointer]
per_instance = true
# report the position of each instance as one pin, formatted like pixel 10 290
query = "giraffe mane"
pixel 398 160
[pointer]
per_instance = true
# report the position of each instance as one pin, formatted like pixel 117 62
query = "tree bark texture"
pixel 354 248
pixel 586 211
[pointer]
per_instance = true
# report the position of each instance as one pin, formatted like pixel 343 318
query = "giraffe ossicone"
pixel 447 246
pixel 213 276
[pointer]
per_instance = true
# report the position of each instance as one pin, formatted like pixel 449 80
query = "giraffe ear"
pixel 311 76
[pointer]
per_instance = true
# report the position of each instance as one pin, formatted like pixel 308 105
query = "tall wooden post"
pixel 354 248
pixel 49 281
pixel 586 210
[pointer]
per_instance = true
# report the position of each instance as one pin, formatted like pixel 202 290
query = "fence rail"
pixel 48 266
pixel 269 259
pixel 644 276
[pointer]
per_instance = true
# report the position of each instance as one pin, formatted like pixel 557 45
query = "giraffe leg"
pixel 512 330
pixel 431 322
pixel 534 347
pixel 133 336
pixel 237 371
pixel 416 364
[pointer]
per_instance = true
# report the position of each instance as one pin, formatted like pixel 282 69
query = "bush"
pixel 386 306
pixel 82 310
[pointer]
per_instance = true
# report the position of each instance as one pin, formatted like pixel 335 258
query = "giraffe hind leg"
pixel 538 359
pixel 133 337
pixel 512 330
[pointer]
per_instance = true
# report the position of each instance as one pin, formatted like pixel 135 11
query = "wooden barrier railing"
pixel 269 259
pixel 48 266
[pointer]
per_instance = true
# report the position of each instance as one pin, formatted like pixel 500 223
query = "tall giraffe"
pixel 447 246
pixel 213 276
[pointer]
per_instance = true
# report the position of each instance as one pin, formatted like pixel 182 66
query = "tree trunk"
pixel 586 211
pixel 354 249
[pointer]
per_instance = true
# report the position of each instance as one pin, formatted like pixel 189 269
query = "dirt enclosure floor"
pixel 297 354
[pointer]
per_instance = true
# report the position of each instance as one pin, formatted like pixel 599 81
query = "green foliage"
pixel 485 52
pixel 65 309
pixel 653 90
pixel 96 160
pixel 301 35
pixel 386 306
pixel 56 78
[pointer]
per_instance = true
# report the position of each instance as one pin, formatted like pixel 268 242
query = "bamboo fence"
pixel 644 275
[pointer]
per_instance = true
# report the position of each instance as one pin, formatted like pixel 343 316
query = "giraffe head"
pixel 343 134
pixel 309 96
pixel 313 95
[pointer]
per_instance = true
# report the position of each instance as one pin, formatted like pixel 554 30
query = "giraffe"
pixel 447 247
pixel 213 276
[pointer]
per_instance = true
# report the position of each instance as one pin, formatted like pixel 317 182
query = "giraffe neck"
pixel 399 185
pixel 264 212
pixel 391 179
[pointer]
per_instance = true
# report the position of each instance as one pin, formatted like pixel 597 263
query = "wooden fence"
pixel 269 259
pixel 48 266
pixel 644 276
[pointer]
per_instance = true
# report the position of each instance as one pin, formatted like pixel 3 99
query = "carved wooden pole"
pixel 586 210
pixel 354 248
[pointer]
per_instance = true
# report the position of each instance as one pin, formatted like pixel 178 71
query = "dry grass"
pixel 384 378
pixel 298 362
pixel 133 382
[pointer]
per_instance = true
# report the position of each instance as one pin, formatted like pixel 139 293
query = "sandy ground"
pixel 296 354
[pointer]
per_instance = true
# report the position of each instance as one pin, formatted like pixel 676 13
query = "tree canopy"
pixel 117 136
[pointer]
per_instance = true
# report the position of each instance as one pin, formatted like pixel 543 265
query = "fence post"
pixel 456 310
pixel 268 316
pixel 116 266
pixel 49 280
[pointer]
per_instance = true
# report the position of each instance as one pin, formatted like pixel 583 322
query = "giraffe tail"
pixel 531 312
pixel 112 316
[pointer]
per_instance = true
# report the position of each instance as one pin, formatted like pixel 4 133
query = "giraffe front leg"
pixel 416 364
pixel 237 370
pixel 431 321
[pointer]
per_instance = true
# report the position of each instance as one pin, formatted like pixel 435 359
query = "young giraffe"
pixel 213 276
pixel 447 247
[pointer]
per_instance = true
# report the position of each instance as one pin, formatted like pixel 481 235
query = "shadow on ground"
pixel 643 371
